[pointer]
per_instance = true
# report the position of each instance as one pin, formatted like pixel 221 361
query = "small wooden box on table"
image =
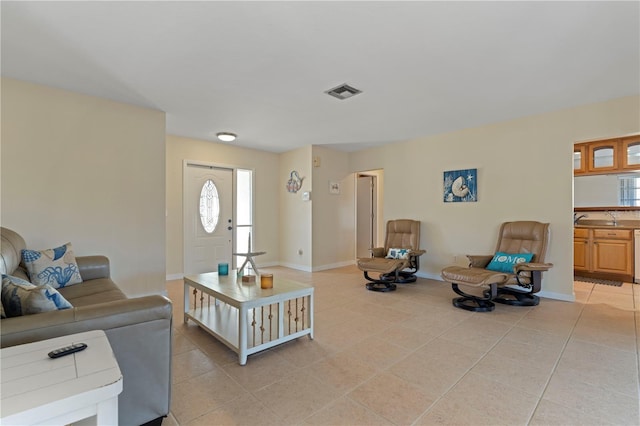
pixel 39 390
pixel 245 317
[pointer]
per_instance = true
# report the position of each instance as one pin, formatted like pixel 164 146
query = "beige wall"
pixel 268 184
pixel 112 159
pixel 90 171
pixel 296 214
pixel 333 214
pixel 524 173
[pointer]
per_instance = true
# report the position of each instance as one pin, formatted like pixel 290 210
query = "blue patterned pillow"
pixel 504 262
pixel 56 267
pixel 398 253
pixel 20 297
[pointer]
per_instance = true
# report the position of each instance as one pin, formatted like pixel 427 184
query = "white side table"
pixel 37 389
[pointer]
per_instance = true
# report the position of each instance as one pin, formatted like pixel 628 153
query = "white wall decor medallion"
pixel 334 187
pixel 295 182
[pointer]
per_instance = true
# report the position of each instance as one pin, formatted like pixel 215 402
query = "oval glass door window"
pixel 209 206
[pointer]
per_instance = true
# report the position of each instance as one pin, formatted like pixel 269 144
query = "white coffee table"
pixel 39 390
pixel 245 317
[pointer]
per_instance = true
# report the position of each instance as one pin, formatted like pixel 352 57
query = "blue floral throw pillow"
pixel 504 262
pixel 56 267
pixel 20 297
pixel 398 253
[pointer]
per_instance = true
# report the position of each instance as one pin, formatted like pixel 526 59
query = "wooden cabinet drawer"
pixel 612 256
pixel 612 234
pixel 580 233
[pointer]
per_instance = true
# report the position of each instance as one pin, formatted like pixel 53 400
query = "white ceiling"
pixel 260 69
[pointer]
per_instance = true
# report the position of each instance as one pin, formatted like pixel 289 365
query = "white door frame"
pixel 185 164
pixel 366 214
pixel 378 215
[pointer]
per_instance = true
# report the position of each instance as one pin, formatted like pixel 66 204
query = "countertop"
pixel 621 224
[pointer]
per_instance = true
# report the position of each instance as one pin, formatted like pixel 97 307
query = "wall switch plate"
pixel 306 196
pixel 316 161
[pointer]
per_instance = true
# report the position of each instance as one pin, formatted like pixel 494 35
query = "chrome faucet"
pixel 613 217
pixel 577 218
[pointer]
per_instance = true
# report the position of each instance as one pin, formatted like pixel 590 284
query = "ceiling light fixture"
pixel 226 136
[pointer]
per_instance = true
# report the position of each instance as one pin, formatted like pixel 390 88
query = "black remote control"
pixel 57 353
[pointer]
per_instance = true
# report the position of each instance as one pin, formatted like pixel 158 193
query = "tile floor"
pixel 410 358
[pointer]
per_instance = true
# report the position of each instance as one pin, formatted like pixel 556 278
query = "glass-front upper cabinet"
pixel 603 156
pixel 631 153
pixel 579 159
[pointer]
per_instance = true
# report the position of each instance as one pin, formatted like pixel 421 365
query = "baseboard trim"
pixel 545 294
pixel 333 265
pixel 429 276
pixel 294 266
pixel 172 277
pixel 557 296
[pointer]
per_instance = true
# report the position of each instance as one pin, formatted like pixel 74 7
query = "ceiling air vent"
pixel 344 91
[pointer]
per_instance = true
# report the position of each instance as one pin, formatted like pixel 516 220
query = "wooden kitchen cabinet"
pixel 612 251
pixel 579 159
pixel 603 156
pixel 630 150
pixel 581 253
pixel 607 156
pixel 603 253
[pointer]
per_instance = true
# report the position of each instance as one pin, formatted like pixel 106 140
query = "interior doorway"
pixel 368 211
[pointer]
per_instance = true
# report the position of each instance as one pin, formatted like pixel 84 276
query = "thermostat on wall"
pixel 306 195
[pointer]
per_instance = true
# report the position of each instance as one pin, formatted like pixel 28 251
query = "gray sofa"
pixel 139 330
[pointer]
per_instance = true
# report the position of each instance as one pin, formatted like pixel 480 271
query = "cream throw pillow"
pixel 20 297
pixel 398 253
pixel 56 267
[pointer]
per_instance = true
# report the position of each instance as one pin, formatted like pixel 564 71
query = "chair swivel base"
pixel 473 304
pixel 381 286
pixel 516 298
pixel 402 277
pixel 387 282
pixel 470 302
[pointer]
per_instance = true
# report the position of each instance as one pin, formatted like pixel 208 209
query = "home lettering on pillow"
pixel 505 262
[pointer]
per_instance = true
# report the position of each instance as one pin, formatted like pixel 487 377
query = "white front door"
pixel 208 217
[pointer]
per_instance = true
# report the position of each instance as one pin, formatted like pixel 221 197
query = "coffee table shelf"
pixel 245 317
